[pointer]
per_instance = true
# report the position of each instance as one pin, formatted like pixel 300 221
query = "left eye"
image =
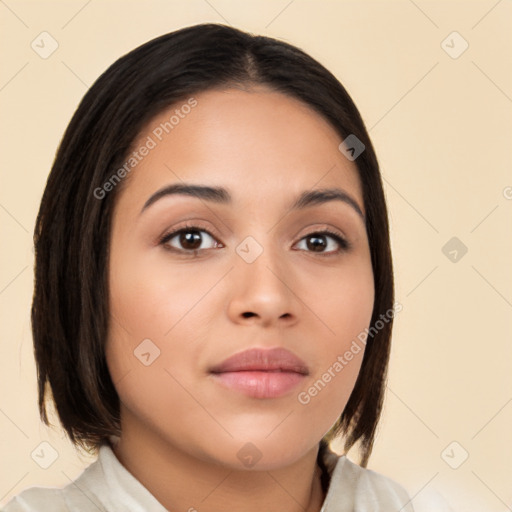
pixel 316 242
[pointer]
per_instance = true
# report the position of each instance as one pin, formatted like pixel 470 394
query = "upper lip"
pixel 257 359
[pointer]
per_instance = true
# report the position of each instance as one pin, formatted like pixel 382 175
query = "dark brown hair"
pixel 70 310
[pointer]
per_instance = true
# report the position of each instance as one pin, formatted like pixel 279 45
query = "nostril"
pixel 248 314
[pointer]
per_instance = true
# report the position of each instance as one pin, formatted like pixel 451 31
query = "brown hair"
pixel 70 310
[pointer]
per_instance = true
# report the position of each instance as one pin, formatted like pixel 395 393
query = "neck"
pixel 180 481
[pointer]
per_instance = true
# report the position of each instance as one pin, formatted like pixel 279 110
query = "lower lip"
pixel 261 384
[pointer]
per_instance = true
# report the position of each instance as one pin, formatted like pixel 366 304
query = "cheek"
pixel 154 340
pixel 150 370
pixel 342 302
pixel 344 309
pixel 151 298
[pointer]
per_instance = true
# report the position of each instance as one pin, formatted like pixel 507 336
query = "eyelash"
pixel 344 245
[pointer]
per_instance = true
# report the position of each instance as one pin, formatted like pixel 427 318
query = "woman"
pixel 214 288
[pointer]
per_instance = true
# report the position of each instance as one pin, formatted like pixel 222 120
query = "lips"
pixel 261 373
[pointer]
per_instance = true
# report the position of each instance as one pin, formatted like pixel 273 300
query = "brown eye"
pixel 316 243
pixel 189 239
pixel 319 242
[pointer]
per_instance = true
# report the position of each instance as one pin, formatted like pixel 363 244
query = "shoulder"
pixel 40 499
pixel 353 487
pixel 375 488
pixel 104 486
pixel 81 494
pixel 46 499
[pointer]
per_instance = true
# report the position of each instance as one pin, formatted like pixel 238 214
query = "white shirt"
pixel 107 486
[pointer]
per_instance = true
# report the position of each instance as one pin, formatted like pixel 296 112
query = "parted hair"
pixel 70 309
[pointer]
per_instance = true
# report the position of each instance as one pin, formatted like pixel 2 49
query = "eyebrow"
pixel 221 195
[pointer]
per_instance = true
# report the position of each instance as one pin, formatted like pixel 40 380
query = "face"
pixel 233 311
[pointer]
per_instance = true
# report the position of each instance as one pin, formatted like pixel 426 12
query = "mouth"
pixel 260 373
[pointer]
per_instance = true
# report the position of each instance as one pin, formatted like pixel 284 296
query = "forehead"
pixel 255 142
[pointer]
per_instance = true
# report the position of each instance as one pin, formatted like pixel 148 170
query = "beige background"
pixel 442 128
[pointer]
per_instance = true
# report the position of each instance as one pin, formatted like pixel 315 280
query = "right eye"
pixel 188 239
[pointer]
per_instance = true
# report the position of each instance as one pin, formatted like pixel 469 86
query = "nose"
pixel 262 292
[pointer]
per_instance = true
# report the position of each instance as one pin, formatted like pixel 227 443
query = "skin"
pixel 181 430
